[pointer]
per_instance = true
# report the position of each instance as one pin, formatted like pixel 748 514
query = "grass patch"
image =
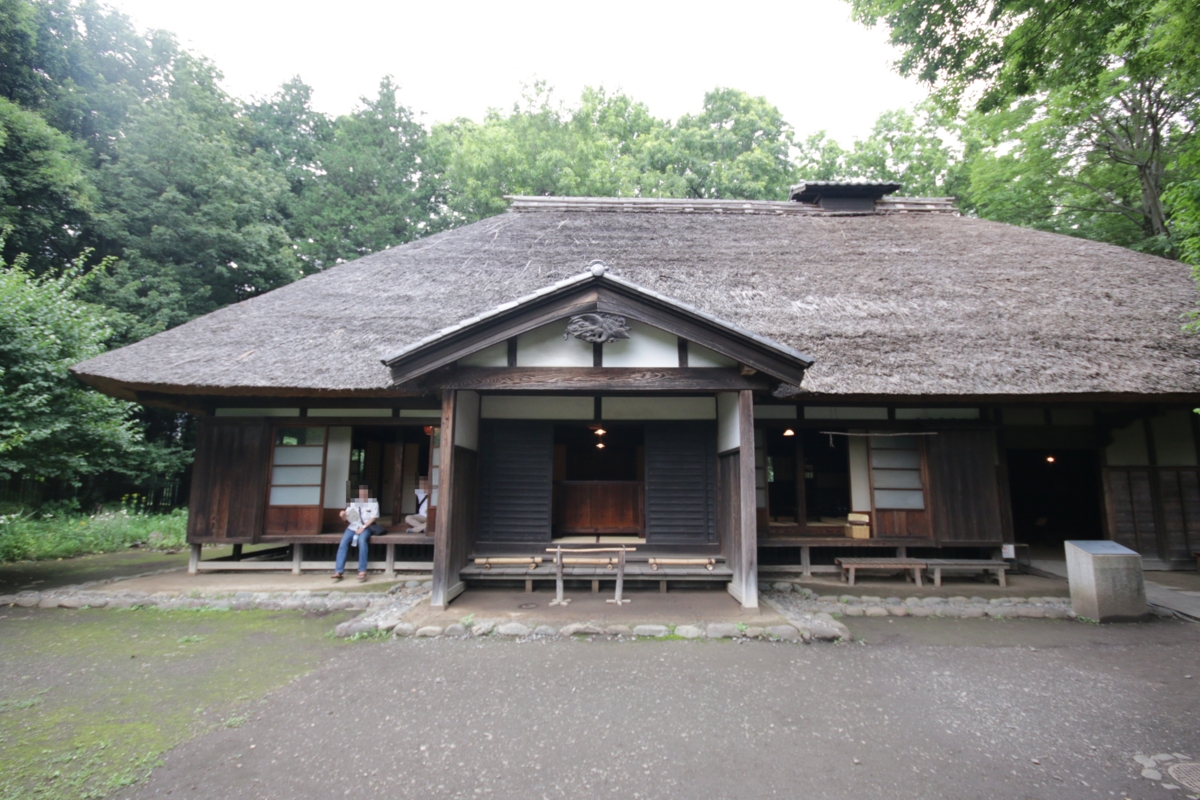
pixel 92 699
pixel 24 537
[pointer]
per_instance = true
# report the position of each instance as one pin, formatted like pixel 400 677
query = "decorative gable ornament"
pixel 597 328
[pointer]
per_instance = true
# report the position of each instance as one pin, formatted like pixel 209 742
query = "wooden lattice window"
pixel 298 467
pixel 896 475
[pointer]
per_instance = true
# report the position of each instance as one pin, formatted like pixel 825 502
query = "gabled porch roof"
pixel 597 291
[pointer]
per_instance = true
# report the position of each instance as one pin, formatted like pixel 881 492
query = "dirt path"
pixel 923 708
pixel 91 699
pixel 42 575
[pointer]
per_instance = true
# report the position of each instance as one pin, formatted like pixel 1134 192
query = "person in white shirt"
pixel 360 517
pixel 416 522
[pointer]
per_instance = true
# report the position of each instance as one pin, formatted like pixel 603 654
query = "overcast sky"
pixel 455 59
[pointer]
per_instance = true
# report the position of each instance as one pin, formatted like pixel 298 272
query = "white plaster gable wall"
pixel 494 356
pixel 701 356
pixel 545 347
pixel 646 346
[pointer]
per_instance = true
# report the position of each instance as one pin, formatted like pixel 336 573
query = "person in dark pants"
pixel 360 517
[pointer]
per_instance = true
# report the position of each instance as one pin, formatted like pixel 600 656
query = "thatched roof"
pixel 888 304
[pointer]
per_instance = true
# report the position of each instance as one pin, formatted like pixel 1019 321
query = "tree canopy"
pixel 138 193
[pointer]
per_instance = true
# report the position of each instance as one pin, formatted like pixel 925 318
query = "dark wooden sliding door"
pixel 516 471
pixel 681 482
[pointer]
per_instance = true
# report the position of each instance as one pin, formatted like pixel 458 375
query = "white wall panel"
pixel 258 412
pixel 729 434
pixel 658 408
pixel 1128 448
pixel 774 412
pixel 494 356
pixel 701 356
pixel 337 467
pixel 466 423
pixel 545 347
pixel 646 346
pixel 937 413
pixel 844 412
pixel 349 412
pixel 512 407
pixel 1174 442
pixel 860 475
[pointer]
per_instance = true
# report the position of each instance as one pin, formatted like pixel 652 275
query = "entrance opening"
pixel 783 488
pixel 826 478
pixel 1055 496
pixel 393 461
pixel 599 481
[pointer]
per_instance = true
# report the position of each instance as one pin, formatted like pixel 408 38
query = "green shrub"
pixel 25 537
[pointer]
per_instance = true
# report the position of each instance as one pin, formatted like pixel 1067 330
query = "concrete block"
pixel 1106 581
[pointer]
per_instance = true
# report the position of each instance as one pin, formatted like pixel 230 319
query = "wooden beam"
pixel 744 549
pixel 595 379
pixel 443 563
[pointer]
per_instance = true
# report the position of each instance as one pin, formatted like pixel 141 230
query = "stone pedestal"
pixel 1106 581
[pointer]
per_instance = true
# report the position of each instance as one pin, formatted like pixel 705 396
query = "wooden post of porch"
pixel 446 583
pixel 744 550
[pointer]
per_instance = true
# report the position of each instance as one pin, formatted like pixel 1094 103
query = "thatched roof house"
pixel 841 304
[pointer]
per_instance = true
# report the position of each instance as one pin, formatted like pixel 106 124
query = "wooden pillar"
pixel 446 583
pixel 743 552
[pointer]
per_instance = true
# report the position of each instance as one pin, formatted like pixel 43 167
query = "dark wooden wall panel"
pixel 681 482
pixel 516 471
pixel 1130 507
pixel 465 519
pixel 284 520
pixel 1181 511
pixel 917 524
pixel 729 509
pixel 963 492
pixel 229 483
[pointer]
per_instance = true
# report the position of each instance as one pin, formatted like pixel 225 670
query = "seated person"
pixel 416 522
pixel 360 516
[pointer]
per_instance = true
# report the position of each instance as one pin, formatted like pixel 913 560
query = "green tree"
pixel 912 149
pixel 45 197
pixel 289 130
pixel 194 213
pixel 738 146
pixel 542 147
pixel 51 426
pixel 374 189
pixel 1119 78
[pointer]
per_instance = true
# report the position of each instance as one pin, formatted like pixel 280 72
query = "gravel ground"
pixel 915 708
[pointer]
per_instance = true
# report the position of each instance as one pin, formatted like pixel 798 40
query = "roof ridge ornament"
pixel 597 268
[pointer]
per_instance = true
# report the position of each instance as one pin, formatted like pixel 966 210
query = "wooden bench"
pixel 980 565
pixel 851 565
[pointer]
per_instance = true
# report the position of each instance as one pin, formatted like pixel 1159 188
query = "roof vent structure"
pixel 857 196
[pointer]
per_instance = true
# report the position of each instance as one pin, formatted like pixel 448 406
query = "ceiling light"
pixel 600 431
pixel 789 432
pixel 599 445
pixel 1049 459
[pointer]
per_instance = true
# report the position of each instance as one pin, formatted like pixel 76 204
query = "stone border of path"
pixel 789 599
pixel 406 595
pixel 820 627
